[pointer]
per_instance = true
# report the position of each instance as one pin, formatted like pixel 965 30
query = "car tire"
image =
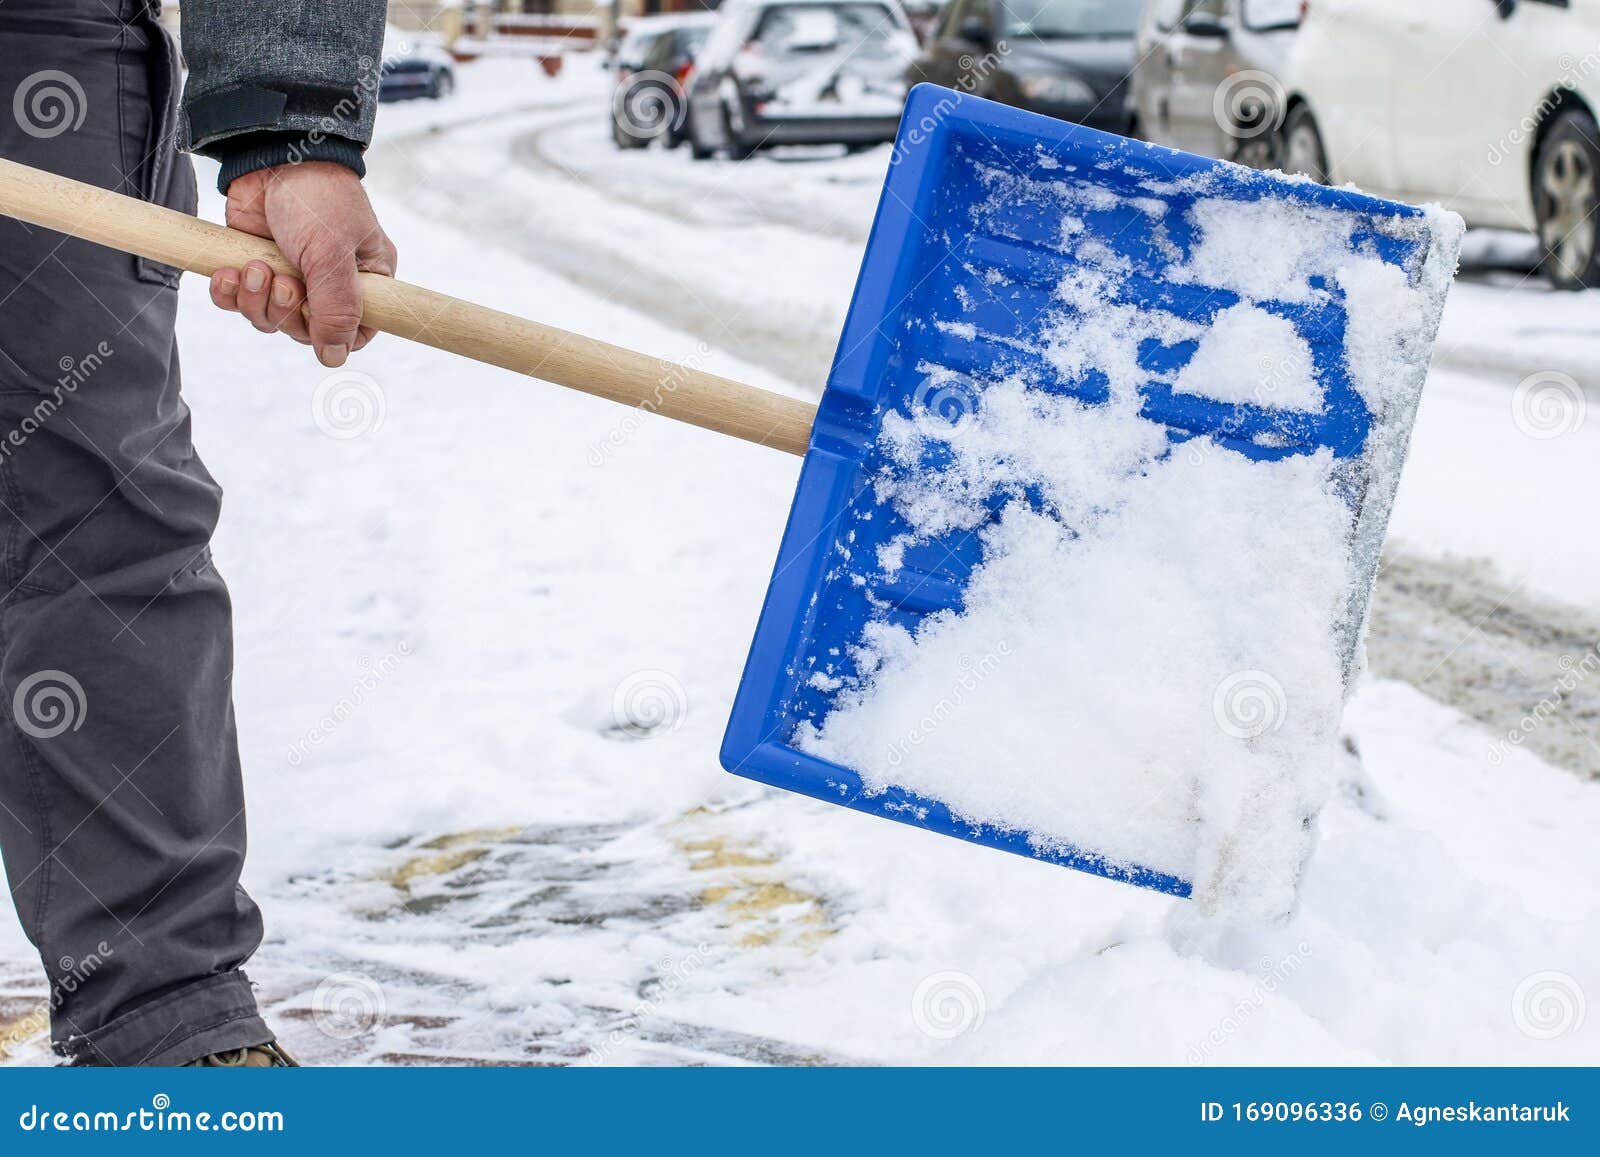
pixel 1302 151
pixel 698 149
pixel 443 85
pixel 737 149
pixel 625 140
pixel 1264 152
pixel 1566 172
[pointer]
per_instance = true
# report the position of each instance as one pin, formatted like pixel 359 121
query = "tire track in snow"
pixel 709 204
pixel 1458 632
pixel 771 335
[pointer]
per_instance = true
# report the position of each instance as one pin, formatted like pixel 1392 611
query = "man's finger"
pixel 255 293
pixel 283 308
pixel 225 289
pixel 333 298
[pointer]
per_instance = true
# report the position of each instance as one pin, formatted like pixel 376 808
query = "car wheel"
pixel 698 149
pixel 443 85
pixel 624 139
pixel 737 149
pixel 1565 201
pixel 1302 145
pixel 1258 153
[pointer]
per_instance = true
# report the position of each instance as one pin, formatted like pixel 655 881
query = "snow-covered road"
pixel 446 585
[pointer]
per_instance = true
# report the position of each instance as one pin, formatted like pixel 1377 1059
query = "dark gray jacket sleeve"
pixel 277 81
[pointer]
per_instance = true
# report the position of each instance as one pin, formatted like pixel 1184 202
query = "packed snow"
pixel 504 871
pixel 1181 616
pixel 1250 355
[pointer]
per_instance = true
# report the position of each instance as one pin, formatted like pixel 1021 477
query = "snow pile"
pixel 848 60
pixel 1174 626
pixel 1284 377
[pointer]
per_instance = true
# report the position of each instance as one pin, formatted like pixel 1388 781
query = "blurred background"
pixel 1484 106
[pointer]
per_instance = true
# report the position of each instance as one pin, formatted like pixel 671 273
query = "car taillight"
pixel 683 74
pixel 1305 9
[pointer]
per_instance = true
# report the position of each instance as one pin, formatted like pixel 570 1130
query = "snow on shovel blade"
pixel 1080 558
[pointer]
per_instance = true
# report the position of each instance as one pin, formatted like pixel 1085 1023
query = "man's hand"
pixel 319 215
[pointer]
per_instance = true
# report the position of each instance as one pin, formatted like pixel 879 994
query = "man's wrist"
pixel 247 154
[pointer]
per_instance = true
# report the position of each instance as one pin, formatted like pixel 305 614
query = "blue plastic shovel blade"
pixel 930 256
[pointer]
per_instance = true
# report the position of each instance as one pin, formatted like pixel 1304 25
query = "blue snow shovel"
pixel 930 256
pixel 933 256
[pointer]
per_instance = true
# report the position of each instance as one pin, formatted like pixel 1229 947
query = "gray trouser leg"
pixel 121 807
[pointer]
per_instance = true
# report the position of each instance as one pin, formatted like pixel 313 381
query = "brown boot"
pixel 271 1055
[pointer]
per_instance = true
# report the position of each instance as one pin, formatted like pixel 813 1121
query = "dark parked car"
pixel 414 68
pixel 654 63
pixel 1064 58
pixel 781 72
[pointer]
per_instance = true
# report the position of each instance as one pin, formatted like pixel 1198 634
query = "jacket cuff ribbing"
pixel 268 150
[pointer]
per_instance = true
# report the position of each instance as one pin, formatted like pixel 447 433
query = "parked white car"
pixel 781 72
pixel 1486 106
pixel 1207 76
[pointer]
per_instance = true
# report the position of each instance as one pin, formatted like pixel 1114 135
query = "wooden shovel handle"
pixel 409 311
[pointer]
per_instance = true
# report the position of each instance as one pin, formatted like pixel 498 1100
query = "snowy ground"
pixel 464 859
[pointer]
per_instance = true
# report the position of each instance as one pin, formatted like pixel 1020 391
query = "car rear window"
pixel 636 46
pixel 1264 15
pixel 799 29
pixel 1070 19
